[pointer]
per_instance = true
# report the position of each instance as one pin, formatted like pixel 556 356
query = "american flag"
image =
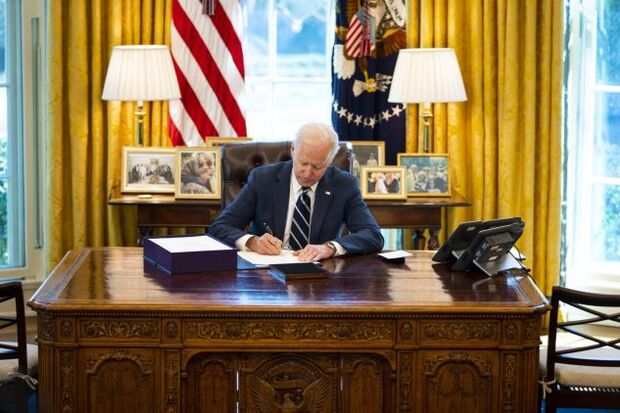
pixel 208 59
pixel 357 41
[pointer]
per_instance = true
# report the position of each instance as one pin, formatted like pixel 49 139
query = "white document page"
pixel 285 257
pixel 190 244
pixel 391 255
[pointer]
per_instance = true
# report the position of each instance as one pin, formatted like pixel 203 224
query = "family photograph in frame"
pixel 426 174
pixel 366 153
pixel 148 170
pixel 198 170
pixel 383 182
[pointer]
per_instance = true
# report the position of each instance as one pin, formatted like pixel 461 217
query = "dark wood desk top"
pixel 117 279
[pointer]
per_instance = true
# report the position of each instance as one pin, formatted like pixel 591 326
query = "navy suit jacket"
pixel 264 199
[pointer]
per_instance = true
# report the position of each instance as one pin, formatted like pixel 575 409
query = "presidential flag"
pixel 369 34
pixel 208 59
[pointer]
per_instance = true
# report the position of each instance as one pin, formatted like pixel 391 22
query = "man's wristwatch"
pixel 331 246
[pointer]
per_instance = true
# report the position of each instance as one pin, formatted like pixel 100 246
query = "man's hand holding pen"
pixel 266 244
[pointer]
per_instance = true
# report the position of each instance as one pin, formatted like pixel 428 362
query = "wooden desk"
pixel 418 214
pixel 117 336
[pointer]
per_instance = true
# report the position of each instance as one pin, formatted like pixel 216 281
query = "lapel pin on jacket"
pixel 327 193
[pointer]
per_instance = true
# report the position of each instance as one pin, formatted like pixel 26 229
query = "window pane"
pixel 608 39
pixel 258 115
pixel 256 47
pixel 3 133
pixel 4 222
pixel 607 139
pixel 2 42
pixel 605 222
pixel 11 156
pixel 299 103
pixel 4 218
pixel 300 38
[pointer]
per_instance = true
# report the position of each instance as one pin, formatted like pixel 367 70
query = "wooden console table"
pixel 418 214
pixel 117 336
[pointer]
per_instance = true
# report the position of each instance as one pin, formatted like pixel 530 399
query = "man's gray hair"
pixel 321 132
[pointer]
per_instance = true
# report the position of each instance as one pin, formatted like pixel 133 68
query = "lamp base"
pixel 427 116
pixel 139 114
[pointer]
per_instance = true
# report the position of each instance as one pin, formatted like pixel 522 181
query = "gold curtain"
pixel 85 134
pixel 505 141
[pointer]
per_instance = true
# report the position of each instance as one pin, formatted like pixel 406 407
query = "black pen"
pixel 267 229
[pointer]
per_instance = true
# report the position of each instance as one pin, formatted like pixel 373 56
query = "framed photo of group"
pixel 367 153
pixel 383 182
pixel 199 172
pixel 426 174
pixel 148 170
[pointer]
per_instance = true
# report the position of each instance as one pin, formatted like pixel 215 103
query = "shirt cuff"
pixel 339 249
pixel 241 241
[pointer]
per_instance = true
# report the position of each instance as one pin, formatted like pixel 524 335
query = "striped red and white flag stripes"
pixel 208 60
pixel 357 40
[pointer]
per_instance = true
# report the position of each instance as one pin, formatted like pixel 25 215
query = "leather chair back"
pixel 238 160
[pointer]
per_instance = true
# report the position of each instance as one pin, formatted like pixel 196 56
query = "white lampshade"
pixel 427 76
pixel 141 73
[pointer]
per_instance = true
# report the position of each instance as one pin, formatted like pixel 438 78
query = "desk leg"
pixel 143 232
pixel 418 239
pixel 433 241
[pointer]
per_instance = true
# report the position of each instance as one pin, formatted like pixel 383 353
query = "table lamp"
pixel 140 73
pixel 427 76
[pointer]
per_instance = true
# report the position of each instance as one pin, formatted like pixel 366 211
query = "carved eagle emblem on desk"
pixel 289 396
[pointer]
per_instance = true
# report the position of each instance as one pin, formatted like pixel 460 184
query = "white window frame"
pixel 14 150
pixel 28 148
pixel 272 80
pixel 582 272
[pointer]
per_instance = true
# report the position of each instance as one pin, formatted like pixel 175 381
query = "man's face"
pixel 310 162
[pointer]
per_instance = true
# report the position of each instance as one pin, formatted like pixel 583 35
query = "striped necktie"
pixel 300 226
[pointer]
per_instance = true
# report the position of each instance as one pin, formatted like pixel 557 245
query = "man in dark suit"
pixel 269 200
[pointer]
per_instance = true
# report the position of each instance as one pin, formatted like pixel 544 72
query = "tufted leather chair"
pixel 238 160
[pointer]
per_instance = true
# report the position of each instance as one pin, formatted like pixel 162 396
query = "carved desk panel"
pixel 116 335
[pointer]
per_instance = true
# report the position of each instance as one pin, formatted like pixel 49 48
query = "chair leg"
pixel 23 391
pixel 550 405
pixel 541 395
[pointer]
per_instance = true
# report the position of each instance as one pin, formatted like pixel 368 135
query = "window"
pixel 11 149
pixel 593 145
pixel 20 225
pixel 287 54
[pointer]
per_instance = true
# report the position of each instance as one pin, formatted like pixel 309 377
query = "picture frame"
pixel 426 174
pixel 383 182
pixel 217 141
pixel 366 153
pixel 148 170
pixel 199 173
